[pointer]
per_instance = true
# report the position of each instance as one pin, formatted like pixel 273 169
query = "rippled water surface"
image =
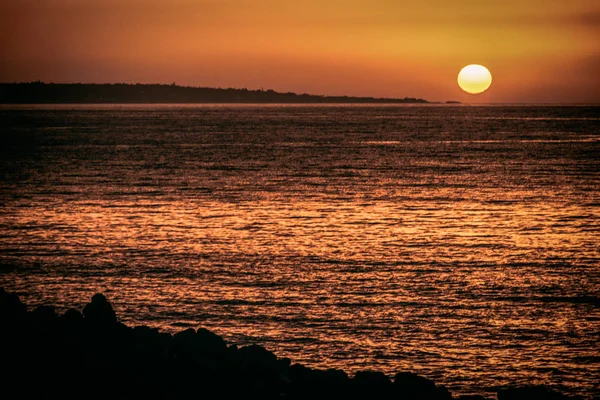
pixel 459 242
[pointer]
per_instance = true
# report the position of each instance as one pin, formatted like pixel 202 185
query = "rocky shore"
pixel 90 354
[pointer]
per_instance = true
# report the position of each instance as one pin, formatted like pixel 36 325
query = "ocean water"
pixel 458 242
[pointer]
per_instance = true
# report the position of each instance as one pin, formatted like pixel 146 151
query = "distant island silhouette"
pixel 42 93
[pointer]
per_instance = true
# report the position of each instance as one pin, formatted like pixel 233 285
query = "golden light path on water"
pixel 381 238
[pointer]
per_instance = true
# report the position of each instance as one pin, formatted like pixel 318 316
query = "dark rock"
pixel 257 356
pixel 284 362
pixel 203 348
pixel 530 392
pixel 442 393
pixel 471 397
pixel 372 384
pixel 412 386
pixel 210 342
pixel 151 342
pixel 374 378
pixel 11 306
pixel 44 315
pixel 145 334
pixel 319 384
pixel 409 382
pixel 96 355
pixel 335 375
pixel 184 344
pixel 314 382
pixel 185 336
pixel 261 372
pixel 100 311
pixel 71 318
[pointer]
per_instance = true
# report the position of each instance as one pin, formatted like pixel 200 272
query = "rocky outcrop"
pixel 93 355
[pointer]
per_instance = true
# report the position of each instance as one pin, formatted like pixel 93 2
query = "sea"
pixel 458 242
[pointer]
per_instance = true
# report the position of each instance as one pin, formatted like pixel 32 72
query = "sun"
pixel 474 79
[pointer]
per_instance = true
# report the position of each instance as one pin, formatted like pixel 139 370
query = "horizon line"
pixel 262 90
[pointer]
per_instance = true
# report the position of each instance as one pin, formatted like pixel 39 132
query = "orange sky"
pixel 537 50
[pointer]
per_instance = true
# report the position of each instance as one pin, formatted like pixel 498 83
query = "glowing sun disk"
pixel 474 79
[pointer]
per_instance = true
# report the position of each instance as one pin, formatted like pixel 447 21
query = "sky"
pixel 545 51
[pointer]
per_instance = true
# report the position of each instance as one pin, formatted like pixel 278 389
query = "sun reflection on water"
pixel 357 238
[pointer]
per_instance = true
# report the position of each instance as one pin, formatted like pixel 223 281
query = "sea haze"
pixel 457 242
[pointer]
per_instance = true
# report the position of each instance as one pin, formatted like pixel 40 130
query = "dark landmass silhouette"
pixel 93 355
pixel 92 93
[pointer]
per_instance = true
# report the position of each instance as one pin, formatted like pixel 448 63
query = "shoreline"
pixel 123 93
pixel 92 354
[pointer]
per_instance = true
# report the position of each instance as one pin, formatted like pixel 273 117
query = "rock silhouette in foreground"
pixel 100 311
pixel 93 355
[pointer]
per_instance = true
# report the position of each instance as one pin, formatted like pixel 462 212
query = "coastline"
pixel 92 354
pixel 123 93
